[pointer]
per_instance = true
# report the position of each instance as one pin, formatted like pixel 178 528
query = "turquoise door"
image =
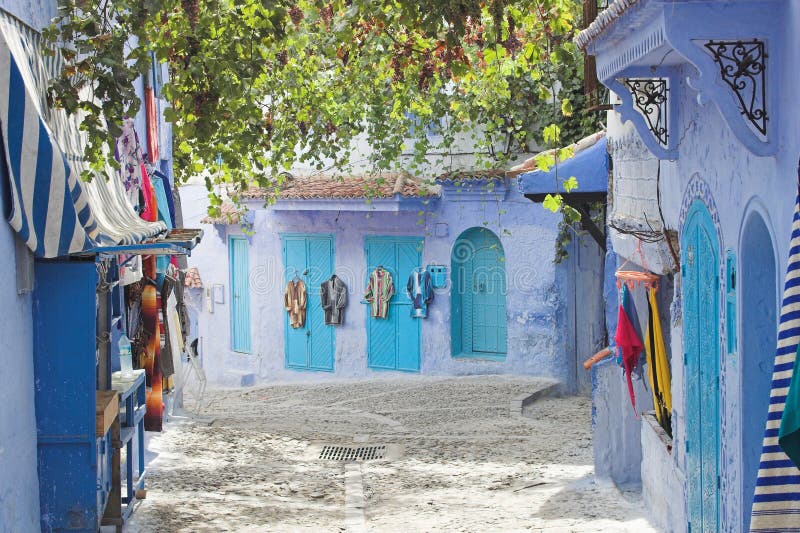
pixel 240 294
pixel 310 257
pixel 478 301
pixel 393 343
pixel 700 264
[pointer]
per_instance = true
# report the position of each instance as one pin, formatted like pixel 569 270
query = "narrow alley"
pixel 457 459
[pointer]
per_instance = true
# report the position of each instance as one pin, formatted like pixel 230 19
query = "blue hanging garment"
pixel 420 290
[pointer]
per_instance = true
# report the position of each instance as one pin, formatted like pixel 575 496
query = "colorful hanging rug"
pixel 152 359
pixel 776 503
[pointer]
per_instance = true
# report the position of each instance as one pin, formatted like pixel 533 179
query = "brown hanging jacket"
pixel 295 300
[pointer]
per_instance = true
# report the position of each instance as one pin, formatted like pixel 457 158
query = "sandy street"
pixel 458 461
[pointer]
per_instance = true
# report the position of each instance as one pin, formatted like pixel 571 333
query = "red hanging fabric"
pixel 150 212
pixel 627 339
pixel 151 114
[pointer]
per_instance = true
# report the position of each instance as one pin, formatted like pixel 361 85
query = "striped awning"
pixel 51 209
pixel 776 503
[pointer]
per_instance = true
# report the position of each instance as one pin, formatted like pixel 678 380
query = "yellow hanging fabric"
pixel 658 365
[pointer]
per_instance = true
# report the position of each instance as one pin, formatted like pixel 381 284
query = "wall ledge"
pixel 652 423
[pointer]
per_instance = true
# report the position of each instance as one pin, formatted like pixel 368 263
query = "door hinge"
pixel 308 333
pixel 687 446
pixel 689 527
pixel 685 358
pixel 719 482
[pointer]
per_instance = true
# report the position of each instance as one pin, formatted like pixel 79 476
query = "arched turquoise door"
pixel 700 266
pixel 478 299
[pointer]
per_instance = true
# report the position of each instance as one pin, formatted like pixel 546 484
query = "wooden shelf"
pixel 106 410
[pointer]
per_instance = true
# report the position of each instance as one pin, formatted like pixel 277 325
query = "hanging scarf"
pixel 628 341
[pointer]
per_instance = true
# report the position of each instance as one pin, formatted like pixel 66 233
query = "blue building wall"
pixel 535 305
pixel 19 483
pixel 715 166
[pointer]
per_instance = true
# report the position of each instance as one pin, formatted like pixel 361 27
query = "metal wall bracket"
pixel 650 97
pixel 743 66
pixel 648 102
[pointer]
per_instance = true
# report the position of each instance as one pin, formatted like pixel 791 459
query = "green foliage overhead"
pixel 265 84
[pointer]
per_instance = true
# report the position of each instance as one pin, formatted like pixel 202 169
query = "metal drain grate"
pixel 352 453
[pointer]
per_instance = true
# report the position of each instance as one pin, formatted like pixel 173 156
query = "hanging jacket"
pixel 420 290
pixel 295 300
pixel 380 290
pixel 333 295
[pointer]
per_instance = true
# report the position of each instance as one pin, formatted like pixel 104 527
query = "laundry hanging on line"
pixel 333 296
pixel 420 290
pixel 380 290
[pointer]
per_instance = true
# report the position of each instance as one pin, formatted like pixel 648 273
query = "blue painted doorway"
pixel 759 313
pixel 310 258
pixel 393 343
pixel 700 258
pixel 478 299
pixel 240 293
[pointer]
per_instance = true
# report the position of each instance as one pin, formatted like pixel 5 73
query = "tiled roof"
pixel 349 187
pixel 473 175
pixel 603 21
pixel 229 214
pixel 529 165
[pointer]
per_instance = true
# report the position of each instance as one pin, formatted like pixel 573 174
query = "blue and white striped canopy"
pixel 52 210
pixel 776 503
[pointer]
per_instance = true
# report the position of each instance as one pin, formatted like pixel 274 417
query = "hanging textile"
pixel 168 196
pixel 162 261
pixel 630 345
pixel 333 295
pixel 167 367
pixel 776 503
pixel 152 357
pixel 789 433
pixel 420 290
pixel 295 300
pixel 51 209
pixel 658 365
pixel 151 116
pixel 380 290
pixel 128 154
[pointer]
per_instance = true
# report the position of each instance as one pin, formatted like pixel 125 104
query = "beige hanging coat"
pixel 294 300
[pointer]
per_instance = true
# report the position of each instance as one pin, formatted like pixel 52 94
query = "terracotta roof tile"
pixel 349 187
pixel 229 214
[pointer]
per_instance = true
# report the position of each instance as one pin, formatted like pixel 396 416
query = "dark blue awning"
pixel 589 166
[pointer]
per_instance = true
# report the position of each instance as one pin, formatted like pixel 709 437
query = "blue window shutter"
pixel 240 294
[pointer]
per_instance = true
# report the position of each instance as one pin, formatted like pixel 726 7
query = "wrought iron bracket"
pixel 742 66
pixel 650 97
pixel 647 101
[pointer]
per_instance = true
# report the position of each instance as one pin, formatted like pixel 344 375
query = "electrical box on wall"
pixel 438 276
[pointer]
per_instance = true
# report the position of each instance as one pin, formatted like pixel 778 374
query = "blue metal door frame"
pixel 238 261
pixel 700 262
pixel 394 343
pixel 311 257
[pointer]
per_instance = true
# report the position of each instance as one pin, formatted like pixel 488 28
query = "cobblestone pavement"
pixel 459 461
